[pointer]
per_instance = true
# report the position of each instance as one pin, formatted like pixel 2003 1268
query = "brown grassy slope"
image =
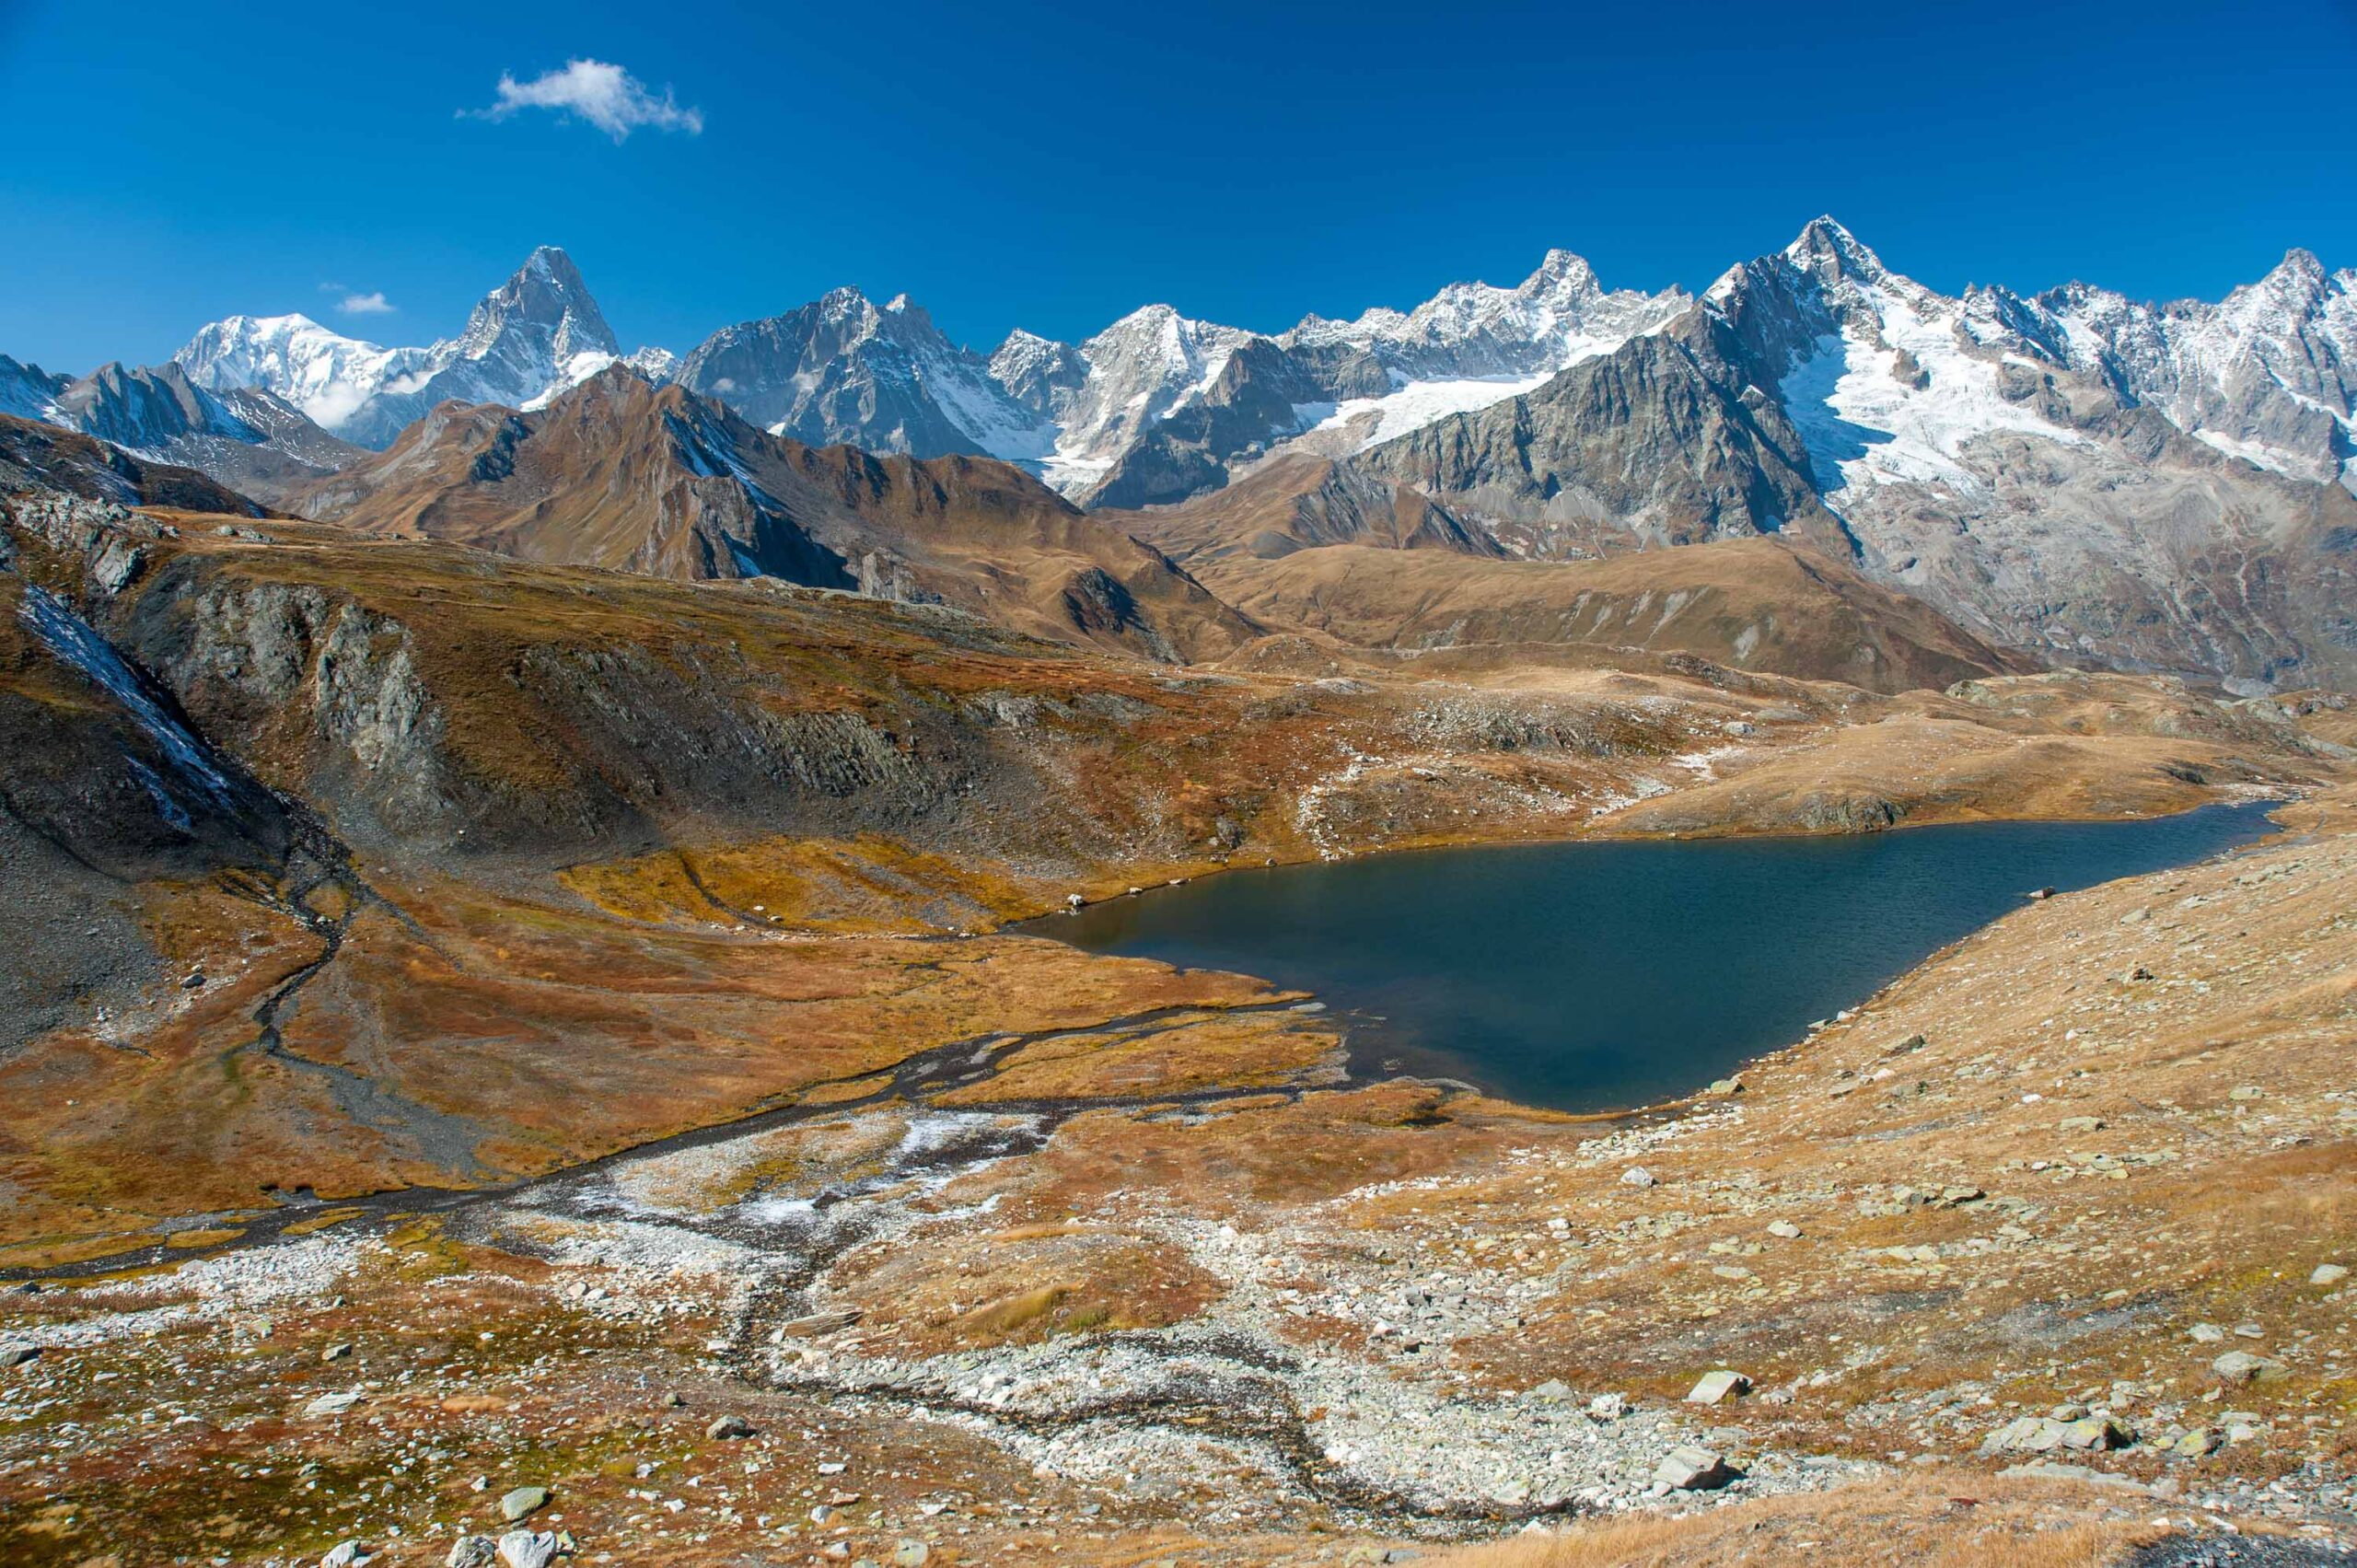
pixel 619 474
pixel 580 795
pixel 1900 1523
pixel 1754 604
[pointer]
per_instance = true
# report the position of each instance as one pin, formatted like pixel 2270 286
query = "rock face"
pixel 535 334
pixel 1666 440
pixel 619 474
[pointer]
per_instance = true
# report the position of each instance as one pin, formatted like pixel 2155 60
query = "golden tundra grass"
pixel 1906 1523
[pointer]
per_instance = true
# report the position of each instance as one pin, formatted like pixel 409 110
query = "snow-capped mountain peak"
pixel 322 372
pixel 841 369
pixel 1827 251
pixel 535 335
pixel 1561 275
pixel 2268 374
pixel 541 317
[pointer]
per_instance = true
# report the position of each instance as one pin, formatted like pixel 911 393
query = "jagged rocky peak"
pixel 28 392
pixel 1828 251
pixel 1561 274
pixel 145 408
pixel 537 333
pixel 841 369
pixel 1033 369
pixel 547 295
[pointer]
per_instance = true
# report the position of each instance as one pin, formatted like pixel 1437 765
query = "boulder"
pixel 522 1504
pixel 2329 1275
pixel 727 1426
pixel 1716 1387
pixel 1688 1469
pixel 2238 1367
pixel 528 1548
pixel 2202 1440
pixel 912 1554
pixel 2015 1436
pixel 2097 1433
pixel 343 1554
pixel 16 1353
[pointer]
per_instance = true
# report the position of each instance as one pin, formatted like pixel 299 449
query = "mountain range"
pixel 2074 474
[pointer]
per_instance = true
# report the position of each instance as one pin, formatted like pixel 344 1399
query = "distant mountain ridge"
pixel 1973 450
pixel 2165 486
pixel 1158 406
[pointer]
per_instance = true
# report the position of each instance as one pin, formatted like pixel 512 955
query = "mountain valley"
pixel 532 1017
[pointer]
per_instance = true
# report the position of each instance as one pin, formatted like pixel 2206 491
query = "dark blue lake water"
pixel 1595 976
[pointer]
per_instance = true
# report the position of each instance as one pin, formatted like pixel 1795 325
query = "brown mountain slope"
pixel 630 477
pixel 1756 604
pixel 1298 502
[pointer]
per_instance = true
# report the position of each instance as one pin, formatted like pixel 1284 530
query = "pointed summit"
pixel 546 299
pixel 1830 252
pixel 2298 279
pixel 1561 274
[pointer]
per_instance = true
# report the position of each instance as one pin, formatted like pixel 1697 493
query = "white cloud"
pixel 607 96
pixel 374 304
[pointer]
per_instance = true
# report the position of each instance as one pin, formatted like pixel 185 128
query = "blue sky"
pixel 1051 168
